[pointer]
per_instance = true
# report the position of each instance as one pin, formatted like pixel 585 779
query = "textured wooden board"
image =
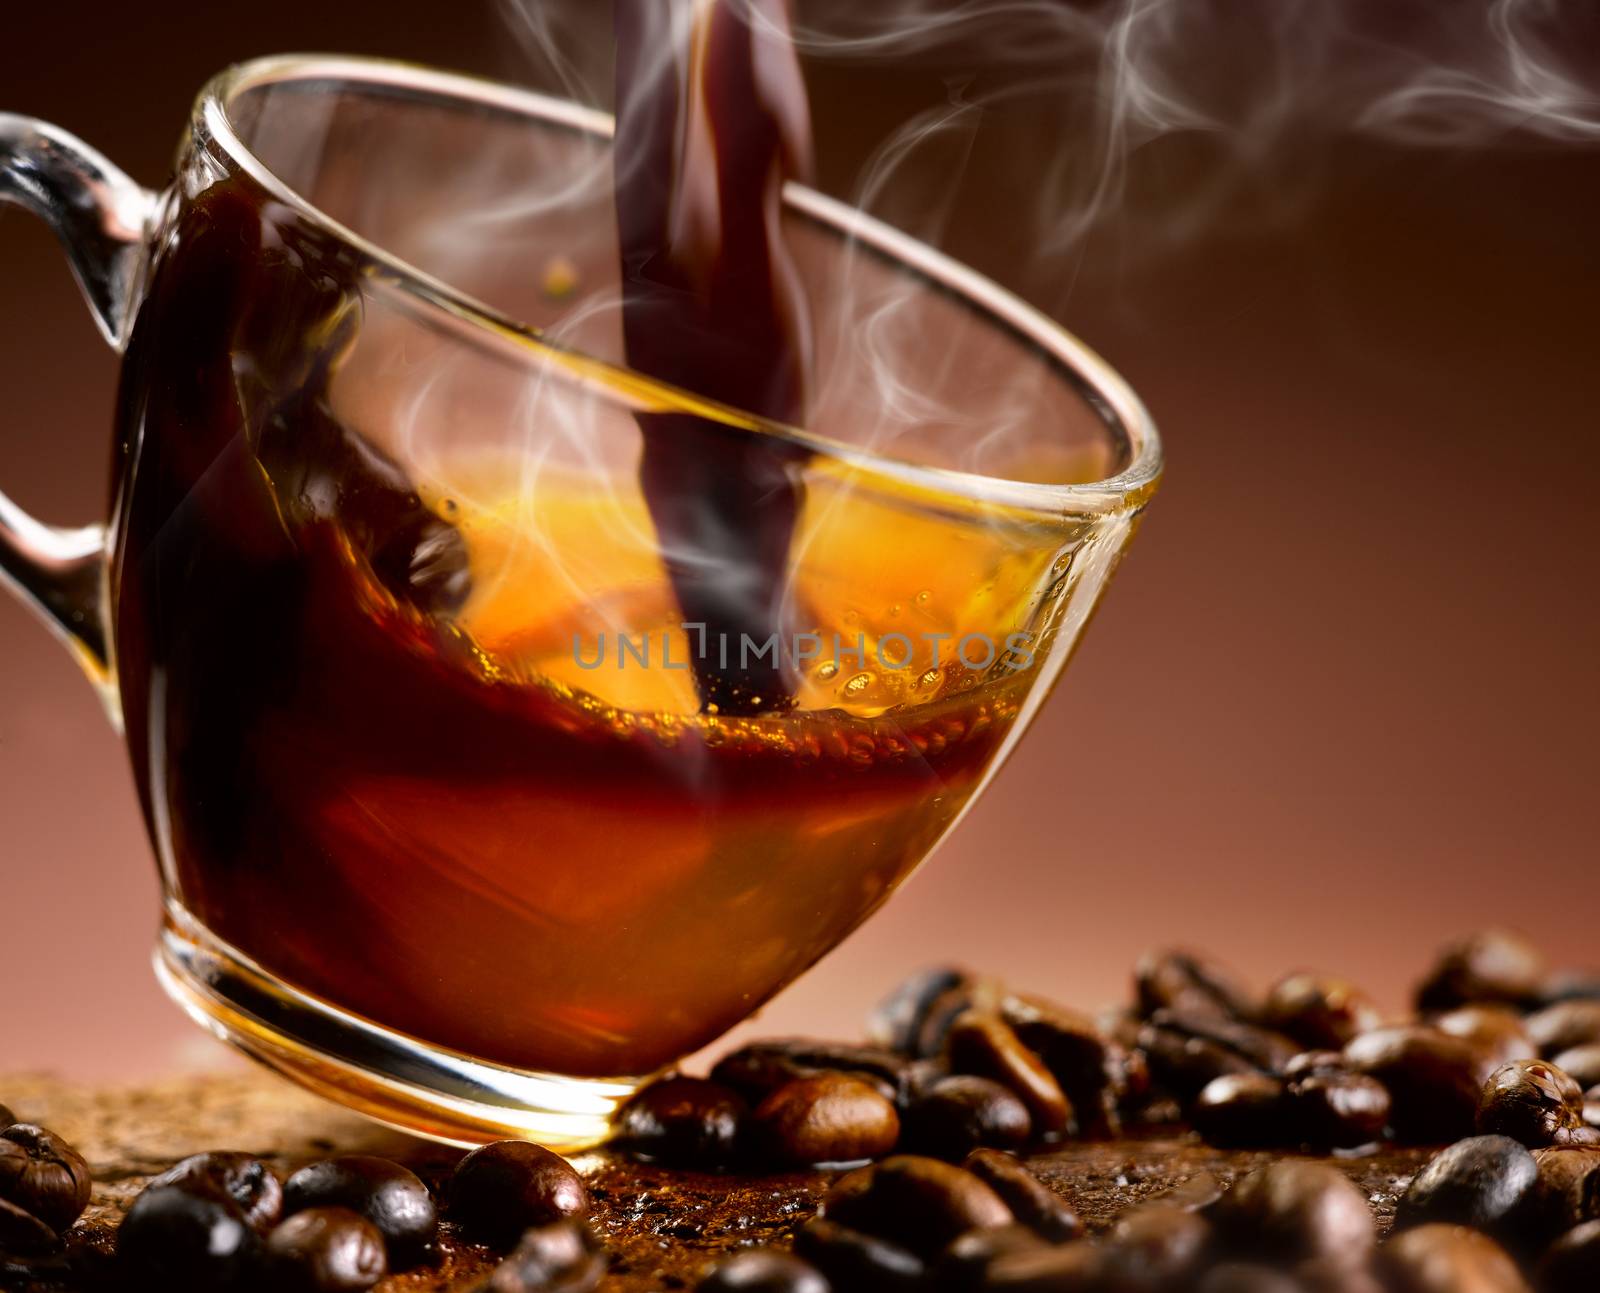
pixel 662 1227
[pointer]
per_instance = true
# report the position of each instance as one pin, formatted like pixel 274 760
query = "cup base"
pixel 385 1075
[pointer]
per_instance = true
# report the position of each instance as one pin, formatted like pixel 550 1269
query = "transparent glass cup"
pixel 446 827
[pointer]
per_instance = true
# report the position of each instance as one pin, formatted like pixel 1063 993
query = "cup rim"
pixel 1099 385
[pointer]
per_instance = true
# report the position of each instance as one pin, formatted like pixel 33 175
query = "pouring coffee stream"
pixel 712 119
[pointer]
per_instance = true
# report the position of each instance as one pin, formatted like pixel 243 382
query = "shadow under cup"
pixel 443 829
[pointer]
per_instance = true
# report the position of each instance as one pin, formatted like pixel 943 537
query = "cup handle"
pixel 102 218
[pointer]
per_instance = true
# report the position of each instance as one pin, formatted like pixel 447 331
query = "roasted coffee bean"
pixel 1567 1192
pixel 1337 1109
pixel 1033 1203
pixel 1294 1212
pixel 897 1021
pixel 984 1045
pixel 1483 1182
pixel 498 1191
pixel 1186 1051
pixel 1571 985
pixel 7 1118
pixel 1582 1063
pixel 325 1250
pixel 1158 1247
pixel 854 1262
pixel 1563 1026
pixel 1495 1030
pixel 763 1270
pixel 22 1234
pixel 1320 1012
pixel 757 1070
pixel 43 1175
pixel 826 1118
pixel 964 1265
pixel 921 1204
pixel 1449 1259
pixel 1324 1276
pixel 176 1238
pixel 1493 967
pixel 1196 1193
pixel 1239 1277
pixel 1078 1267
pixel 1531 1101
pixel 1572 1264
pixel 1243 1111
pixel 960 1114
pixel 562 1257
pixel 1096 1072
pixel 1190 984
pixel 246 1180
pixel 683 1122
pixel 385 1193
pixel 1433 1079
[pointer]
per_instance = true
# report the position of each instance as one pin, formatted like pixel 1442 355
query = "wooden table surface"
pixel 662 1227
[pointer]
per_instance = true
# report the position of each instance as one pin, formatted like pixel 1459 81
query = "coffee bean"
pixel 498 1191
pixel 385 1193
pixel 683 1122
pixel 984 1045
pixel 22 1234
pixel 1238 1277
pixel 1531 1101
pixel 965 1264
pixel 1582 1063
pixel 1567 1192
pixel 1196 1193
pixel 1482 1182
pixel 7 1118
pixel 1096 1072
pixel 1189 984
pixel 1033 1203
pixel 43 1175
pixel 1243 1111
pixel 921 1204
pixel 562 1257
pixel 1571 985
pixel 826 1118
pixel 1295 1211
pixel 1324 1276
pixel 1494 967
pixel 1433 1079
pixel 1449 1259
pixel 1572 1264
pixel 763 1270
pixel 244 1179
pixel 325 1250
pixel 898 1020
pixel 757 1070
pixel 1078 1267
pixel 1156 1246
pixel 1186 1051
pixel 175 1238
pixel 854 1262
pixel 1495 1030
pixel 1320 1012
pixel 1338 1109
pixel 1565 1025
pixel 960 1114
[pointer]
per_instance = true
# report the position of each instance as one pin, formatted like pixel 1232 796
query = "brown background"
pixel 1341 704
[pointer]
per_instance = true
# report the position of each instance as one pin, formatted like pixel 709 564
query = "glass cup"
pixel 449 825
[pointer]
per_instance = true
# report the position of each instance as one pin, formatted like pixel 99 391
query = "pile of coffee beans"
pixel 959 1072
